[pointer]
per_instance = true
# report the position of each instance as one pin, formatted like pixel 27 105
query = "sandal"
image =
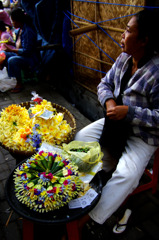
pixel 17 89
pixel 120 227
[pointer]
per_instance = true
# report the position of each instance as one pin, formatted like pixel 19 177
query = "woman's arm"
pixel 9 49
pixel 28 41
pixel 111 81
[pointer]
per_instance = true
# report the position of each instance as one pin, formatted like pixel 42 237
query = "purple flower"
pixel 36 126
pixel 35 137
pixel 23 176
pixel 37 191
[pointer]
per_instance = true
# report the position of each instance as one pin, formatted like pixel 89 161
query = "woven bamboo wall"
pixel 93 48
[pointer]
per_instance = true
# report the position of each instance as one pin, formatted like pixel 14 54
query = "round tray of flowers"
pixel 40 187
pixel 46 181
pixel 25 126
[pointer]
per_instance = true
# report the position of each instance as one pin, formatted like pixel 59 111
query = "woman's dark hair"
pixel 19 15
pixel 147 20
pixel 1 5
pixel 2 26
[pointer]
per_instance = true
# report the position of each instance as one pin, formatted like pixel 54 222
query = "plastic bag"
pixel 6 83
pixel 2 57
pixel 36 98
pixel 84 154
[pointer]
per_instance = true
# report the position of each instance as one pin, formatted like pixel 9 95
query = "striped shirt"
pixel 141 95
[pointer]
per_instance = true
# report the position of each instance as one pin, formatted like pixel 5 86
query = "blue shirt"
pixel 141 95
pixel 28 44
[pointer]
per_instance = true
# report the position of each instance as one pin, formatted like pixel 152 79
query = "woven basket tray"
pixel 67 116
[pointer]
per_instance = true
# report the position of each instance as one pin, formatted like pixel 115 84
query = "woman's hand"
pixel 7 48
pixel 117 112
pixel 110 103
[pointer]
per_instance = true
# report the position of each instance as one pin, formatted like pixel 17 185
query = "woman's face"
pixel 16 24
pixel 130 42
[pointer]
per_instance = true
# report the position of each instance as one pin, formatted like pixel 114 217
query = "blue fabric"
pixel 16 64
pixel 29 7
pixel 28 43
pixel 52 27
pixel 48 17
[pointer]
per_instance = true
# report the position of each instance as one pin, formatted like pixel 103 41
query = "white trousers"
pixel 128 171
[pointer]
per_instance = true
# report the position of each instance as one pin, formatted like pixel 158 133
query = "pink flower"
pixel 69 171
pixel 50 154
pixel 65 182
pixel 41 152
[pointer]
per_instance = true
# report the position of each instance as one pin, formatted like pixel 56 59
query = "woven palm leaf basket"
pixel 19 154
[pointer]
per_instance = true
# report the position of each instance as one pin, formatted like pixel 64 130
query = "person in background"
pixel 5 37
pixel 138 67
pixel 25 55
pixel 4 16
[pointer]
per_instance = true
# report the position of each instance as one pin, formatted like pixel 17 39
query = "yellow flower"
pixel 47 203
pixel 12 119
pixel 54 179
pixel 31 193
pixel 16 126
pixel 43 193
pixel 58 158
pixel 59 117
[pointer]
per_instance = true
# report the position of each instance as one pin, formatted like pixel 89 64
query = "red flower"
pixel 38 100
pixel 35 190
pixel 74 187
pixel 50 191
pixel 65 162
pixel 49 176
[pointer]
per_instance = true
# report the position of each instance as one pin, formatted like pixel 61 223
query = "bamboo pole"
pixel 82 30
pixel 91 27
pixel 98 60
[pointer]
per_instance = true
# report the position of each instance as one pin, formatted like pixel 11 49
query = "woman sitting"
pixel 25 55
pixel 134 78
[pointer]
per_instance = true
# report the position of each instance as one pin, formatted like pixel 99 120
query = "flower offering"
pixel 46 181
pixel 25 129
